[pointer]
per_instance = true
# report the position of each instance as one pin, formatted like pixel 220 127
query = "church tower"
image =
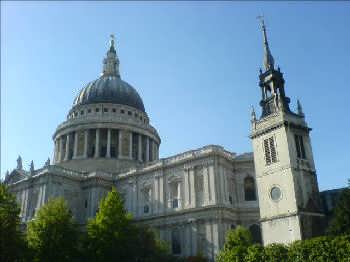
pixel 284 165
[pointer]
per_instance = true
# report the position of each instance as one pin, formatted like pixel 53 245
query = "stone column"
pixel 179 200
pixel 156 194
pixel 108 154
pixel 75 151
pixel 55 151
pixel 86 136
pixel 215 241
pixel 187 189
pixel 120 144
pixel 130 145
pixel 67 147
pixel 209 237
pixel 206 189
pixel 97 144
pixel 147 149
pixel 140 148
pixel 192 187
pixel 212 184
pixel 134 198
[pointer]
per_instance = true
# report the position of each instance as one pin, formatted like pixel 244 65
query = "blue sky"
pixel 195 64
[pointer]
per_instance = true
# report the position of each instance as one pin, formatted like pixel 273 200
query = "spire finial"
pixel 112 40
pixel 111 62
pixel 268 58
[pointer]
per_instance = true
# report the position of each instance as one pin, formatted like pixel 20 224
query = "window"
pixel 174 197
pixel 97 109
pixel 113 110
pixel 82 112
pixel 89 110
pixel 105 110
pixel 299 144
pixel 122 111
pixel 146 199
pixel 249 189
pixel 270 151
pixel 129 113
pixel 175 242
pixel 86 203
pixel 145 209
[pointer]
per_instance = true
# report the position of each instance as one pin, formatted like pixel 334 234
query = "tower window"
pixel 270 151
pixel 299 144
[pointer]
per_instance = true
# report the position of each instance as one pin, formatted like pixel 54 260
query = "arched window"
pixel 256 233
pixel 249 189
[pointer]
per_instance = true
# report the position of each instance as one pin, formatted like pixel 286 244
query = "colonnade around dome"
pixel 105 143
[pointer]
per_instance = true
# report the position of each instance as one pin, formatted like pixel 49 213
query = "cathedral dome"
pixel 109 89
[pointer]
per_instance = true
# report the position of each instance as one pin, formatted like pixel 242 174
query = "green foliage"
pixel 320 249
pixel 12 246
pixel 255 253
pixel 111 236
pixel 236 245
pixel 340 223
pixel 52 235
pixel 275 253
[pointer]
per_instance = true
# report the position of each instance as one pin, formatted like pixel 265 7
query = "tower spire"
pixel 268 58
pixel 111 61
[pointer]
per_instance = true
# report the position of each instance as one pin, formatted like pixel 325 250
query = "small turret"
pixel 19 163
pixel 32 168
pixel 299 108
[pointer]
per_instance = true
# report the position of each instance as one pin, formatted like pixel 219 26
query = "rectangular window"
pixel 270 150
pixel 299 145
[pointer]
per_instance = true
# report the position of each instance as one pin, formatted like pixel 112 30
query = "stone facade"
pixel 197 195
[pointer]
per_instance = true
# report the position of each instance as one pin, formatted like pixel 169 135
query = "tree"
pixel 340 223
pixel 255 253
pixel 275 252
pixel 112 236
pixel 53 235
pixel 236 245
pixel 11 239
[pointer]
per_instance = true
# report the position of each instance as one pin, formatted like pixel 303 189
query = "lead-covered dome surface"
pixel 109 89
